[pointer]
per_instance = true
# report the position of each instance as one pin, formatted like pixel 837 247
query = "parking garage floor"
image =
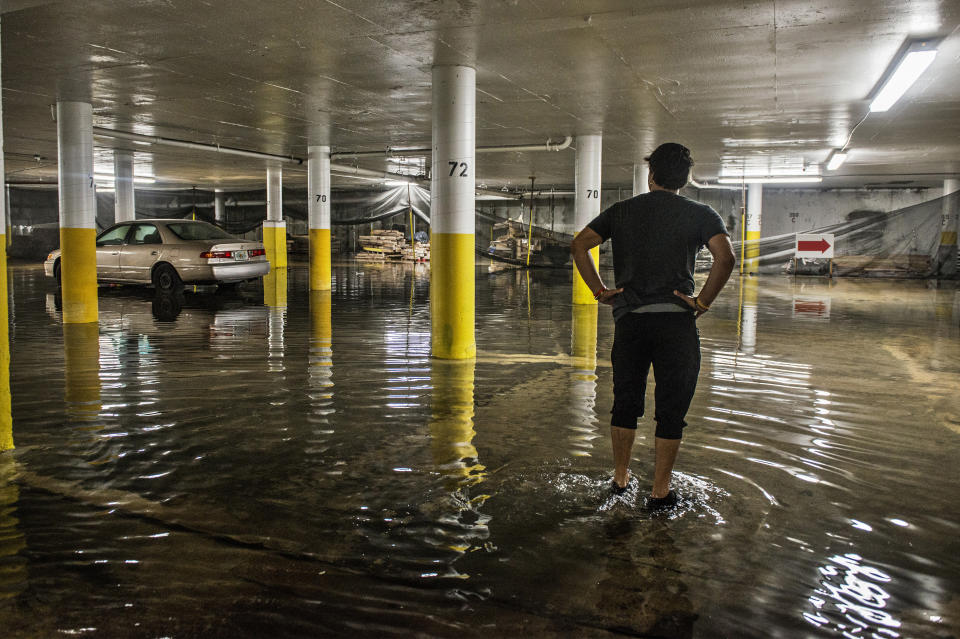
pixel 213 466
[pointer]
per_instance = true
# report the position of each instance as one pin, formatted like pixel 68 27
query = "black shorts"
pixel 669 341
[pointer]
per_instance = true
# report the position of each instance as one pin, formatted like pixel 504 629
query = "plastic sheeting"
pixel 900 243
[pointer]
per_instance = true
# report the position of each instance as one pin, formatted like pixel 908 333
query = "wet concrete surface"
pixel 213 465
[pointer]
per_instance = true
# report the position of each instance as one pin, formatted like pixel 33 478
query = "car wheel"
pixel 56 272
pixel 165 278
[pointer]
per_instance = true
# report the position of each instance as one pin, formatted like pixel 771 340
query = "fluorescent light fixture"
pixel 909 67
pixel 106 177
pixel 835 159
pixel 770 179
pixel 396 182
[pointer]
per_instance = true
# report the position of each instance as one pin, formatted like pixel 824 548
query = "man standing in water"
pixel 656 237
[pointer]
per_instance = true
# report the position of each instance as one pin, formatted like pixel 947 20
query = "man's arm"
pixel 723 262
pixel 580 249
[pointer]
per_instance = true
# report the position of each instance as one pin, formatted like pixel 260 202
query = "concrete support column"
pixel 452 286
pixel 640 174
pixel 949 226
pixel 751 262
pixel 6 417
pixel 318 214
pixel 274 228
pixel 123 210
pixel 78 210
pixel 587 203
pixel 219 214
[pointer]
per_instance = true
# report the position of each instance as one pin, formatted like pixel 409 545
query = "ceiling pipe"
pixel 184 144
pixel 397 153
pixel 343 169
pixel 707 185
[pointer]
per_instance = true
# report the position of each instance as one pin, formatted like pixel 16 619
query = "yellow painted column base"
pixel 452 296
pixel 275 243
pixel 320 272
pixel 751 258
pixel 581 292
pixel 78 275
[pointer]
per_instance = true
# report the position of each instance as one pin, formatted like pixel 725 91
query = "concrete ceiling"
pixel 741 82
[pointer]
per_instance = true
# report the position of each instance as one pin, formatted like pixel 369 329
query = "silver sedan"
pixel 167 253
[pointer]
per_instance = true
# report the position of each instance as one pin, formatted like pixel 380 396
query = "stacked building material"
pixel 382 245
pixel 420 253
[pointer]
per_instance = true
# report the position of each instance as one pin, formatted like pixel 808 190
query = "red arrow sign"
pixel 820 245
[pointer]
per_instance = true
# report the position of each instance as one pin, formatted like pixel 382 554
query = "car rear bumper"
pixel 239 272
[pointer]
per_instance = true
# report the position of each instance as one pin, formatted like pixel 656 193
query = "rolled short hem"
pixel 624 422
pixel 669 431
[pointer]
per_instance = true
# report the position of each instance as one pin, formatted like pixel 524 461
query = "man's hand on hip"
pixel 691 302
pixel 607 295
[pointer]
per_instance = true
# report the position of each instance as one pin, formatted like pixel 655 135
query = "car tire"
pixel 165 278
pixel 56 273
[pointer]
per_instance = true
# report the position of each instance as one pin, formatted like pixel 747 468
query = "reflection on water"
pixel 81 371
pixel 583 379
pixel 851 598
pixel 13 565
pixel 290 464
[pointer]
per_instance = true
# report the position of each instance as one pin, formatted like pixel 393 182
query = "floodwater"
pixel 216 466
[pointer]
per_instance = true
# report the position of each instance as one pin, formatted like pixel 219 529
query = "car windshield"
pixel 198 231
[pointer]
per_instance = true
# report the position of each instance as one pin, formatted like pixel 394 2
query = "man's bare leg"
pixel 622 439
pixel 665 456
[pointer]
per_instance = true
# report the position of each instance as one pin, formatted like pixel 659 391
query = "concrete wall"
pixel 798 210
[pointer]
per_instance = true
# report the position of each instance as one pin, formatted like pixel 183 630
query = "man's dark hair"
pixel 670 165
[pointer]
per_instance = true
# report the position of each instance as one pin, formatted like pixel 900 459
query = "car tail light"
pixel 257 252
pixel 213 254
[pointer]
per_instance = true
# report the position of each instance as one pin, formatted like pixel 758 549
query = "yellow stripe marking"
pixel 78 275
pixel 452 298
pixel 581 292
pixel 320 271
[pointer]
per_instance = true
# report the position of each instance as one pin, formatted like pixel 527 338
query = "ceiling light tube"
pixel 835 159
pixel 772 179
pixel 910 66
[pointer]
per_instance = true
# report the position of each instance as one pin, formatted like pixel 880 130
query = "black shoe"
pixel 617 489
pixel 662 503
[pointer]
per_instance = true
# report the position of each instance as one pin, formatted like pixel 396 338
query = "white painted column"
pixel 452 208
pixel 123 183
pixel 586 203
pixel 949 227
pixel 78 209
pixel 318 216
pixel 641 172
pixel 754 213
pixel 274 228
pixel 219 213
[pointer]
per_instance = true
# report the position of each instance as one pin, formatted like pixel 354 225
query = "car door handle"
pixel 116 253
pixel 154 252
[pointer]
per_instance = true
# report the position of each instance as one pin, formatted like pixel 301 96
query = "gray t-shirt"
pixel 656 237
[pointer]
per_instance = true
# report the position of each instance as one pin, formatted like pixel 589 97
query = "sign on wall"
pixel 814 245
